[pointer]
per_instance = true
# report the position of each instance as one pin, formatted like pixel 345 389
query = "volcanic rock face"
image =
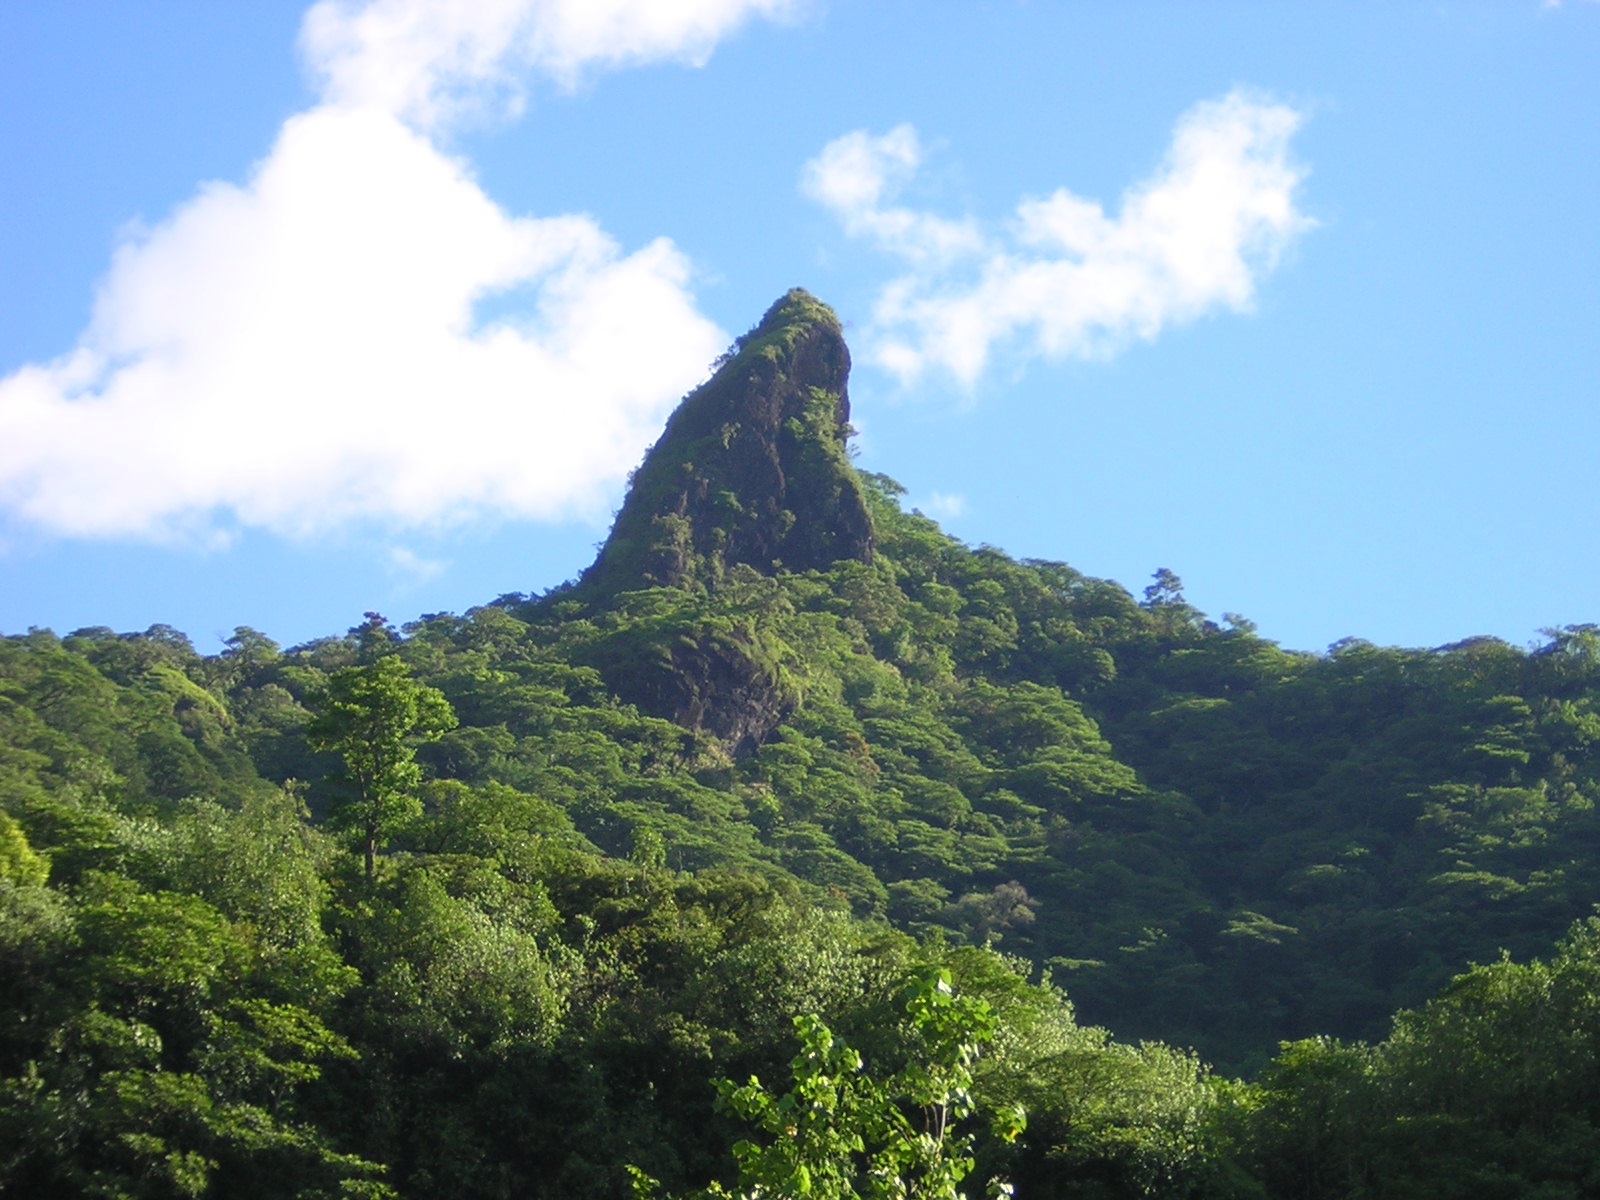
pixel 751 468
pixel 708 675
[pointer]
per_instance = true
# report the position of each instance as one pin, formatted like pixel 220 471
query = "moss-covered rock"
pixel 750 469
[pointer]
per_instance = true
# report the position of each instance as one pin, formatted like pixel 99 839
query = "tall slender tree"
pixel 374 715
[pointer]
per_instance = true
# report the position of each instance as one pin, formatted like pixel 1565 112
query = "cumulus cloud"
pixel 1063 278
pixel 301 351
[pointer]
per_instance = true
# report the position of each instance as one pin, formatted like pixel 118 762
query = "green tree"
pixel 19 862
pixel 374 715
pixel 842 1132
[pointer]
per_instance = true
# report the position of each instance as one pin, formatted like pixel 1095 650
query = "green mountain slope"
pixel 783 744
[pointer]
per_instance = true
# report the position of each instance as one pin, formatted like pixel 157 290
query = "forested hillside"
pixel 483 905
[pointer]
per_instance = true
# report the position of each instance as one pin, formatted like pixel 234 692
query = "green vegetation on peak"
pixel 751 469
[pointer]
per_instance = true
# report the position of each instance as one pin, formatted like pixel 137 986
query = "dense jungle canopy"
pixel 486 904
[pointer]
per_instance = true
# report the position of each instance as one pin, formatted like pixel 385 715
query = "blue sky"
pixel 311 311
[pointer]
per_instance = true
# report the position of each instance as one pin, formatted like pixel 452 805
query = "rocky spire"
pixel 751 467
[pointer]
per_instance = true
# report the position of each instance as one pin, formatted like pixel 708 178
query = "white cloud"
pixel 856 173
pixel 945 504
pixel 425 60
pixel 300 352
pixel 1064 278
pixel 416 569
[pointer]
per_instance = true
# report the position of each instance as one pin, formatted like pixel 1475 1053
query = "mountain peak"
pixel 751 467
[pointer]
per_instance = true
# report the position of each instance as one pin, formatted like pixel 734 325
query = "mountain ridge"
pixel 674 817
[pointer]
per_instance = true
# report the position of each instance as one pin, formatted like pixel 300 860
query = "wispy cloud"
pixel 856 174
pixel 411 566
pixel 301 350
pixel 1062 278
pixel 944 504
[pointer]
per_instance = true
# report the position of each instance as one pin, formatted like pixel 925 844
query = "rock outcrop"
pixel 751 468
pixel 751 472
